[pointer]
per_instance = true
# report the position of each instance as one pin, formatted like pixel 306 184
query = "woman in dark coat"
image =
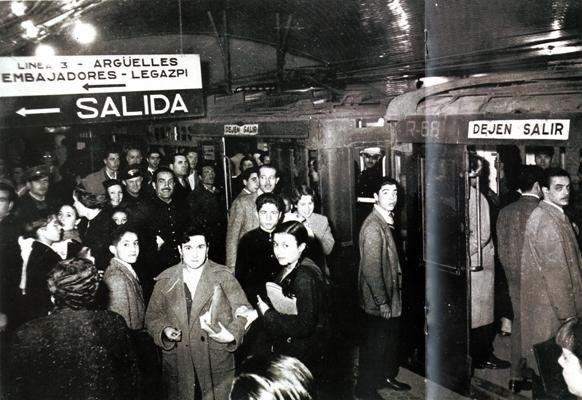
pixel 302 334
pixel 74 353
pixel 38 259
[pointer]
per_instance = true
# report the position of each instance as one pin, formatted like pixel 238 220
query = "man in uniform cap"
pixel 34 203
pixel 132 178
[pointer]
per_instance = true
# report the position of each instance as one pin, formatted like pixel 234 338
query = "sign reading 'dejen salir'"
pixel 542 129
pixel 69 89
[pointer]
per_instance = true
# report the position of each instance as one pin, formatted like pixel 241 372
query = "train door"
pixel 436 176
pixel 289 156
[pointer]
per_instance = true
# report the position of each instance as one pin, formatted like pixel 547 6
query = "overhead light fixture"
pixel 30 30
pixel 18 8
pixel 433 80
pixel 84 33
pixel 44 50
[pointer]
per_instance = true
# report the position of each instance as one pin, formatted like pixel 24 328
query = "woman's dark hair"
pixel 302 190
pixel 90 200
pixel 247 158
pixel 569 337
pixel 274 377
pixel 73 283
pixel 32 226
pixel 295 228
pixel 111 182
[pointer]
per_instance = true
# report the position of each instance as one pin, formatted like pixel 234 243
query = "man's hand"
pixel 250 314
pixel 385 311
pixel 222 336
pixel 172 334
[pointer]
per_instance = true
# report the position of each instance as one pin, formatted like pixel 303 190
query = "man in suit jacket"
pixel 125 295
pixel 196 357
pixel 511 224
pixel 379 283
pixel 243 213
pixel 93 183
pixel 551 262
pixel 180 168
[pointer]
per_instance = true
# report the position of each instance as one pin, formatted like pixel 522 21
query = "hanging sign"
pixel 83 89
pixel 241 130
pixel 532 129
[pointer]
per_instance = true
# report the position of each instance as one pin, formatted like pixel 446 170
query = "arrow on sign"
pixel 24 112
pixel 86 86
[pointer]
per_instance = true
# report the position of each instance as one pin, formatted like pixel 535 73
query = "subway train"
pixel 329 113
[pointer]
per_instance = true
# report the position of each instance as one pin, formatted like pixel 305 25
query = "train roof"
pixel 523 107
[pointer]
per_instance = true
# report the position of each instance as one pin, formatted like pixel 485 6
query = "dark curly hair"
pixel 73 283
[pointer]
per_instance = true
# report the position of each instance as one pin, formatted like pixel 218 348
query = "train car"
pixel 499 117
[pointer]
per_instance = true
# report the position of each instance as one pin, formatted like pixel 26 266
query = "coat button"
pixel 202 338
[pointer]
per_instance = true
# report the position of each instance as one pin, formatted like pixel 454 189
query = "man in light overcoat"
pixel 551 262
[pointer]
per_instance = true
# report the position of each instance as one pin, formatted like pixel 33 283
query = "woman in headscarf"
pixel 76 352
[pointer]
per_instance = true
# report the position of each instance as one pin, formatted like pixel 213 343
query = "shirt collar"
pixel 386 215
pixel 553 205
pixel 127 266
pixel 530 195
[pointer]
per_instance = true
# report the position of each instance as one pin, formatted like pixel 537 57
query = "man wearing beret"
pixel 34 203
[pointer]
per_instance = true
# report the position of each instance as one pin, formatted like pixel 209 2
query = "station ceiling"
pixel 324 41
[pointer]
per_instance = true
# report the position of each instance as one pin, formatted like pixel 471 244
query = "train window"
pixel 372 167
pixel 545 156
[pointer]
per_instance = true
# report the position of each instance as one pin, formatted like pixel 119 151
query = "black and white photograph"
pixel 290 199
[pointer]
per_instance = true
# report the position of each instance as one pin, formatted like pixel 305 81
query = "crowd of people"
pixel 141 279
pixel 534 243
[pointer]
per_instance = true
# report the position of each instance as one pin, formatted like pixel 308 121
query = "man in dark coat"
pixel 379 293
pixel 511 224
pixel 34 203
pixel 180 167
pixel 169 219
pixel 551 262
pixel 208 212
pixel 10 261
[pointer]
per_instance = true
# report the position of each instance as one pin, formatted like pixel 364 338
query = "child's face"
pixel 119 217
pixel 127 249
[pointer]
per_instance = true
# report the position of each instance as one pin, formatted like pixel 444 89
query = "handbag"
pixel 546 355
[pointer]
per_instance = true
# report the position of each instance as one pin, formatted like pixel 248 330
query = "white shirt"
pixel 388 216
pixel 191 278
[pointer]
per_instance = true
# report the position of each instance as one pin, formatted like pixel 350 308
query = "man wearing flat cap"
pixel 34 203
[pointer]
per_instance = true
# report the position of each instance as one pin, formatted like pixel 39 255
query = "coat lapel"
pixel 204 291
pixel 130 277
pixel 176 295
